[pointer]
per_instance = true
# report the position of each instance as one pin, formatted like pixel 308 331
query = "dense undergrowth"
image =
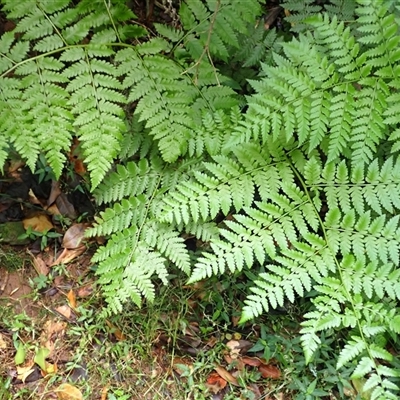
pixel 279 153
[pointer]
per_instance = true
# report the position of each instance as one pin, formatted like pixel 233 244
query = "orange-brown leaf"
pixel 39 222
pixel 215 383
pixel 223 373
pixel 252 361
pixel 72 299
pixel 269 371
pixel 68 255
pixel 117 333
pixel 68 392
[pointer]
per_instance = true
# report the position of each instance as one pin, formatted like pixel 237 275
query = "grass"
pixel 165 350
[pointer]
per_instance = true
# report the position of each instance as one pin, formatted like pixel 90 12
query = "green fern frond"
pixel 221 32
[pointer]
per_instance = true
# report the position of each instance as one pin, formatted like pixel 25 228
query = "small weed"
pixel 44 236
pixel 11 260
pixel 4 388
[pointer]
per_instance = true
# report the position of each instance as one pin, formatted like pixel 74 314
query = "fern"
pixel 314 189
pixel 306 178
pixel 74 67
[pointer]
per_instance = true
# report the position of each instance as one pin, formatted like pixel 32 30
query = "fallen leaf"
pixel 211 342
pixel 68 392
pixel 104 393
pixel 64 311
pixel 72 299
pixel 53 210
pixel 115 331
pixel 242 345
pixel 65 207
pixel 24 372
pixel 236 363
pixel 68 255
pixel 55 192
pixel 215 383
pixel 252 361
pixel 235 320
pixel 257 394
pixel 223 373
pixel 49 369
pixel 85 291
pixel 75 236
pixel 33 199
pixel 52 331
pixel 75 157
pixel 39 265
pixel 234 348
pixel 269 371
pixel 39 222
pixel 3 344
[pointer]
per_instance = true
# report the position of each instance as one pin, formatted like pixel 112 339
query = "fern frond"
pixel 221 32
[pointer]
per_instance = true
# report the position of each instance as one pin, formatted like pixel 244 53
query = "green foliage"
pixel 311 175
pixel 306 181
pixel 70 71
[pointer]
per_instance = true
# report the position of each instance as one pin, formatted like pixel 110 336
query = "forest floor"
pixel 54 344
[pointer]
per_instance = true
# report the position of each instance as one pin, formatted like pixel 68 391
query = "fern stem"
pixel 206 48
pixel 107 4
pixel 51 22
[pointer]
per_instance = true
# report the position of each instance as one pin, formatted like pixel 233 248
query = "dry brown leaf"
pixel 235 320
pixel 75 236
pixel 52 327
pixel 257 394
pixel 68 392
pixel 33 199
pixel 68 255
pixel 65 311
pixel 55 192
pixel 71 299
pixel 234 348
pixel 53 209
pixel 52 331
pixel 39 265
pixel 104 393
pixel 236 363
pixel 223 373
pixel 117 333
pixel 3 344
pixel 215 383
pixel 212 341
pixel 39 222
pixel 24 372
pixel 269 371
pixel 252 361
pixel 85 291
pixel 65 207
